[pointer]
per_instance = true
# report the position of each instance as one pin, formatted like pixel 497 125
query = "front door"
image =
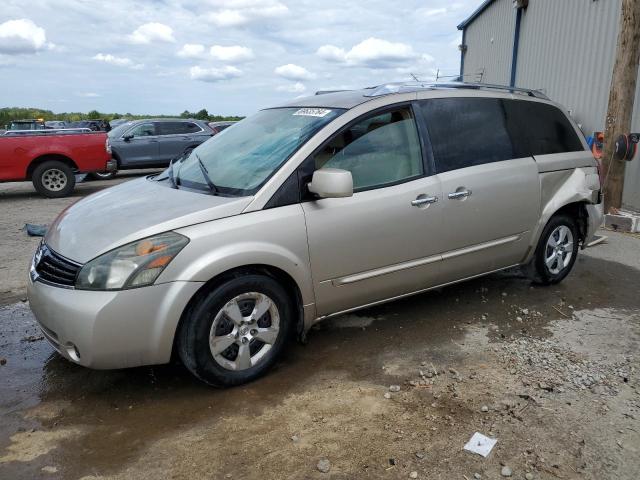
pixel 383 241
pixel 491 190
pixel 140 149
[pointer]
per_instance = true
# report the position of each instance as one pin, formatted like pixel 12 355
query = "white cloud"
pixel 152 32
pixel 22 36
pixel 372 52
pixel 214 74
pixel 232 54
pixel 117 61
pixel 433 12
pixel 294 72
pixel 235 13
pixel 292 88
pixel 191 50
pixel 89 94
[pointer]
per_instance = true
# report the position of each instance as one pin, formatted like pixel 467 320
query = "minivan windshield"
pixel 239 160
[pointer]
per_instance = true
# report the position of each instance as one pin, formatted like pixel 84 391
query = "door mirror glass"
pixel 332 183
pixel 127 137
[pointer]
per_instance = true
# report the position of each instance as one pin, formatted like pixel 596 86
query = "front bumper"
pixel 106 330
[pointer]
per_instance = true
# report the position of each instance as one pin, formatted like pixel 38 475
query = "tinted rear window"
pixel 176 128
pixel 540 129
pixel 467 131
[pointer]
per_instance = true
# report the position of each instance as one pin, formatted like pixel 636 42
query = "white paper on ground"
pixel 480 444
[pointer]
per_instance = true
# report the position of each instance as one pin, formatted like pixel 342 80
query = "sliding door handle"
pixel 459 194
pixel 423 200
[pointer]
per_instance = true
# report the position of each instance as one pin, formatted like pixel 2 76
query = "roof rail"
pixel 416 86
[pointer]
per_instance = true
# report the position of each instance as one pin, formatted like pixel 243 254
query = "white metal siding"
pixel 489 40
pixel 631 196
pixel 567 49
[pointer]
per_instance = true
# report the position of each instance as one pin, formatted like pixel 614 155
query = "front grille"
pixel 54 268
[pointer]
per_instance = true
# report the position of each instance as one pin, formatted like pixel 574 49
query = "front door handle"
pixel 459 194
pixel 422 200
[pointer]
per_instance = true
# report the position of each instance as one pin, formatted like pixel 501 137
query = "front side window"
pixel 381 150
pixel 240 161
pixel 467 131
pixel 143 130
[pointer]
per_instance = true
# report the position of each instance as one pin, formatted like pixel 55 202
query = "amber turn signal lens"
pixel 146 247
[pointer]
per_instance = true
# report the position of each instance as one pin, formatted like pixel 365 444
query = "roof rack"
pixel 400 87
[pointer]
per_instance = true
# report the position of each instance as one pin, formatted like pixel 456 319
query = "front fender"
pixel 276 237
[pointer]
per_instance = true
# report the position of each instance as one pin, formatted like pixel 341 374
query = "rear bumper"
pixel 595 221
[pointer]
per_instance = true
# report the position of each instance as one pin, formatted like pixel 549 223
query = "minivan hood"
pixel 131 211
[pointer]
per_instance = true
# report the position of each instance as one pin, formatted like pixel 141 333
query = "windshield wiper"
pixel 205 174
pixel 170 176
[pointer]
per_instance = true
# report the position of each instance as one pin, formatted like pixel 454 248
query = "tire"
pixel 557 250
pixel 53 179
pixel 218 348
pixel 103 175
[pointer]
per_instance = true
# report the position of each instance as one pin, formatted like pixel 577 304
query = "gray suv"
pixel 154 142
pixel 325 205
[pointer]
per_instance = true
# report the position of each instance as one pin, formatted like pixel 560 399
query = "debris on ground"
pixel 34 230
pixel 506 471
pixel 545 364
pixel 480 444
pixel 394 388
pixel 324 465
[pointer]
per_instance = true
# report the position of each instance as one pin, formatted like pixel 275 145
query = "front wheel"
pixel 53 179
pixel 557 250
pixel 235 333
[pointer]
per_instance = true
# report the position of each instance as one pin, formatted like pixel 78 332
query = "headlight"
pixel 133 265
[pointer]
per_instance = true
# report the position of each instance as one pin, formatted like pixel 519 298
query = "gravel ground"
pixel 392 392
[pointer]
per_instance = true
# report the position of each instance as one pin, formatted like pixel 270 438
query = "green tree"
pixel 94 114
pixel 202 114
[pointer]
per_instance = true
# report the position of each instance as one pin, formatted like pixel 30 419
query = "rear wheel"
pixel 53 179
pixel 557 250
pixel 103 175
pixel 235 333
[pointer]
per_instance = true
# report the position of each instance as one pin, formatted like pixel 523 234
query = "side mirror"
pixel 331 183
pixel 127 137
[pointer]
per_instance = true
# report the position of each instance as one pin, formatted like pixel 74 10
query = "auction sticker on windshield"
pixel 313 112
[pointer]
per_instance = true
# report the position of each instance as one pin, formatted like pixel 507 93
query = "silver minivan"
pixel 326 205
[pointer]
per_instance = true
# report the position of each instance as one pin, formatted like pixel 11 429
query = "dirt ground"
pixel 551 373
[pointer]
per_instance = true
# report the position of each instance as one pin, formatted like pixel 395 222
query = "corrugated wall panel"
pixel 567 49
pixel 631 197
pixel 489 39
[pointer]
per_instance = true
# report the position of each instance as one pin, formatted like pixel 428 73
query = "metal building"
pixel 565 48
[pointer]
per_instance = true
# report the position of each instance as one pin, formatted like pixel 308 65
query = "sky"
pixel 232 57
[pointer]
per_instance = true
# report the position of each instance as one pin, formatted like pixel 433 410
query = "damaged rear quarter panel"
pixel 565 178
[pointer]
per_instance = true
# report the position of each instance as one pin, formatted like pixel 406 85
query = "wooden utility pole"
pixel 621 97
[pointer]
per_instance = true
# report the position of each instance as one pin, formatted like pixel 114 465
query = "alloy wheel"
pixel 559 249
pixel 54 179
pixel 244 330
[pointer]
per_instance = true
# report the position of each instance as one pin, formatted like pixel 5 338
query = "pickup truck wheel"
pixel 53 179
pixel 557 250
pixel 103 175
pixel 235 332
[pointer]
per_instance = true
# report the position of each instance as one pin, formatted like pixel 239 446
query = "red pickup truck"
pixel 51 159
